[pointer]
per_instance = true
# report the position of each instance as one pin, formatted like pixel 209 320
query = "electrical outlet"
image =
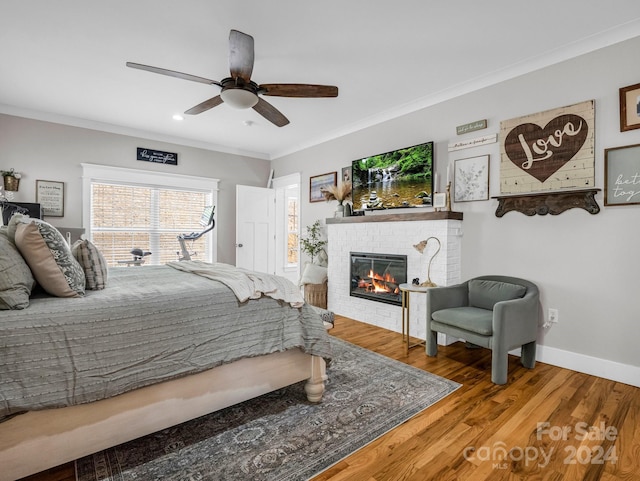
pixel 553 315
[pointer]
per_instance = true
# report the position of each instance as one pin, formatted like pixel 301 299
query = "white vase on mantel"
pixel 339 211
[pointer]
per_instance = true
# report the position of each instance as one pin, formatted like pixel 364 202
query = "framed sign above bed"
pixel 50 195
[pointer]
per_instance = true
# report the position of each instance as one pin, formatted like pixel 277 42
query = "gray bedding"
pixel 150 324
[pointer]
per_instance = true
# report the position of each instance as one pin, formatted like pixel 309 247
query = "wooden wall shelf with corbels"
pixel 544 203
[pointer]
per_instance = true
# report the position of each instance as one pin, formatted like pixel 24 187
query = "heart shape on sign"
pixel 539 151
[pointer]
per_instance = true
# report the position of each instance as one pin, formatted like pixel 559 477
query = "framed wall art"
pixel 319 182
pixel 50 196
pixel 346 174
pixel 548 151
pixel 622 175
pixel 471 179
pixel 630 107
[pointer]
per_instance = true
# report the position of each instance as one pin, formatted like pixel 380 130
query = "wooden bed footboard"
pixel 38 440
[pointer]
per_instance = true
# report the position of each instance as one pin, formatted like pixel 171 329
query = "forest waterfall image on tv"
pixel 400 178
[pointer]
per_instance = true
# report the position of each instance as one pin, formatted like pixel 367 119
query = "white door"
pixel 255 228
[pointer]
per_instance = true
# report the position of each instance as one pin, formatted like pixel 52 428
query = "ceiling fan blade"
pixel 270 113
pixel 206 105
pixel 298 90
pixel 173 73
pixel 241 55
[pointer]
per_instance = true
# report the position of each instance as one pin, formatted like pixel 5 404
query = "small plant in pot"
pixel 11 180
pixel 313 244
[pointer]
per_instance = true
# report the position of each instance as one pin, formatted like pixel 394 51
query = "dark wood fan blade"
pixel 298 90
pixel 270 113
pixel 241 55
pixel 206 105
pixel 173 73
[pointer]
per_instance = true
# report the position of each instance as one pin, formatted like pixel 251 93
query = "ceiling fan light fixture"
pixel 239 98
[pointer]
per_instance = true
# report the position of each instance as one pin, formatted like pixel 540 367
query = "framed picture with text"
pixel 622 175
pixel 50 196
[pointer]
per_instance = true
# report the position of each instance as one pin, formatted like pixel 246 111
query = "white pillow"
pixel 313 274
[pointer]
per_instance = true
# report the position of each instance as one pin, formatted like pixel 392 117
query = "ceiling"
pixel 64 61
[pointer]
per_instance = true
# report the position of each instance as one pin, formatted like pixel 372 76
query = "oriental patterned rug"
pixel 280 436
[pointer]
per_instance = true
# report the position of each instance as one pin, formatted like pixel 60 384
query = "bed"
pixel 158 346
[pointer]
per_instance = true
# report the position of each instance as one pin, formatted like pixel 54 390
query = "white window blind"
pixel 146 211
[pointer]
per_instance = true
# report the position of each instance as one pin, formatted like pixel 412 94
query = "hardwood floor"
pixel 545 424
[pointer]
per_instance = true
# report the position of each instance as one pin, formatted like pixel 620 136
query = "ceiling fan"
pixel 238 90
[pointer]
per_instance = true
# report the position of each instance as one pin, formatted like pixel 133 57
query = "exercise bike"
pixel 207 221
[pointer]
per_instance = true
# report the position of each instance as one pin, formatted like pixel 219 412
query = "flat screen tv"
pixel 396 179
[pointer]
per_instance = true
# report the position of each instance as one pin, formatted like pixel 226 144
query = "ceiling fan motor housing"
pixel 239 94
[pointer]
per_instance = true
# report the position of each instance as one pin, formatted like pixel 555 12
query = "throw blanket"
pixel 244 283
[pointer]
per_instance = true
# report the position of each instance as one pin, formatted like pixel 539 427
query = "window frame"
pixel 109 174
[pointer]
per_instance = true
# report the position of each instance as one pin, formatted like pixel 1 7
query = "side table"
pixel 406 290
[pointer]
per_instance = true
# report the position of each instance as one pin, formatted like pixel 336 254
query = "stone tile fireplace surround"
pixel 392 234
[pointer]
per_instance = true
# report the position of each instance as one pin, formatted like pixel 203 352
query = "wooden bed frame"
pixel 38 440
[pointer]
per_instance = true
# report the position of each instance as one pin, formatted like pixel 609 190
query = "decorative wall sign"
pixel 319 182
pixel 50 196
pixel 630 107
pixel 622 175
pixel 471 127
pixel 471 179
pixel 157 156
pixel 465 144
pixel 551 150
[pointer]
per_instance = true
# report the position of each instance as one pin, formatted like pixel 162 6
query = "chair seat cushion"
pixel 473 319
pixel 485 293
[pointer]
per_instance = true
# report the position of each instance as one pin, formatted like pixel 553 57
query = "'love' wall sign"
pixel 551 150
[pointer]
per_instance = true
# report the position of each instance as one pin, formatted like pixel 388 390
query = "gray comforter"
pixel 150 324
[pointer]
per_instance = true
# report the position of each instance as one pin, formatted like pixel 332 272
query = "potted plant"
pixel 11 180
pixel 315 290
pixel 313 243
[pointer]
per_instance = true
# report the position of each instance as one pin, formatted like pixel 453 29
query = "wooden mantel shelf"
pixel 410 216
pixel 544 203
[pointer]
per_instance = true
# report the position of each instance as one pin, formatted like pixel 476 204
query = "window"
pixel 148 210
pixel 293 231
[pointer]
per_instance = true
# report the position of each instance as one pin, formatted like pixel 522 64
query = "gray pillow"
pixel 16 280
pixel 49 256
pixel 93 263
pixel 485 293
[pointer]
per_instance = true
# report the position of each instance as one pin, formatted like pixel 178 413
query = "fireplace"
pixel 377 276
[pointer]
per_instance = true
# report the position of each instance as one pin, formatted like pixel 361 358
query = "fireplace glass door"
pixel 377 276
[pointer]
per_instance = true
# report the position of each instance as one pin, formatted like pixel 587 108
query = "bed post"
pixel 315 384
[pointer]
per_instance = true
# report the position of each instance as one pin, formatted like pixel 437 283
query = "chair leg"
pixel 432 343
pixel 528 355
pixel 499 366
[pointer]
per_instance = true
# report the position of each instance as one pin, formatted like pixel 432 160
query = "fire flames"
pixel 380 283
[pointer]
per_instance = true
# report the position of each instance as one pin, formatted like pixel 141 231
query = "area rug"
pixel 280 436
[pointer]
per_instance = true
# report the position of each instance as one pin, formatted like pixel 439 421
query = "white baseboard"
pixel 593 366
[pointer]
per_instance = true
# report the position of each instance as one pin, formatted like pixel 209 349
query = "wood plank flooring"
pixel 545 424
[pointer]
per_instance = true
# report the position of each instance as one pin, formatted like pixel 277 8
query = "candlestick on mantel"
pixel 436 185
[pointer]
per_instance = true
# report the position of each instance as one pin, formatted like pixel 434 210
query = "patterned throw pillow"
pixel 49 257
pixel 92 262
pixel 16 280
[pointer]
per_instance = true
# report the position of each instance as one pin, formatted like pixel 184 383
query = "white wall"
pixel 49 151
pixel 587 266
